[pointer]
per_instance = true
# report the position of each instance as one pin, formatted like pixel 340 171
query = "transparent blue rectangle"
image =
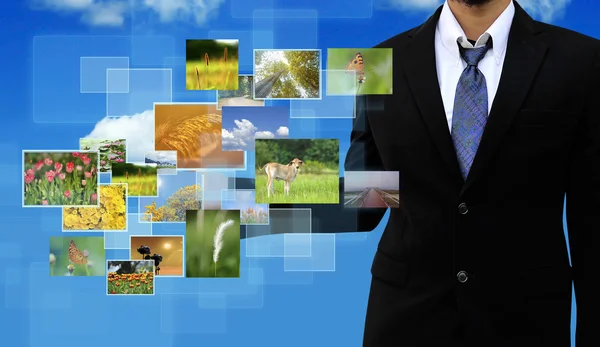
pixel 55 72
pixel 146 87
pixel 120 239
pixel 327 9
pixel 150 51
pixel 329 106
pixel 297 245
pixel 263 39
pixel 265 241
pixel 205 320
pixel 290 29
pixel 245 47
pixel 133 204
pixel 214 182
pixel 92 73
pixel 117 81
pixel 322 256
pixel 104 177
pixel 45 294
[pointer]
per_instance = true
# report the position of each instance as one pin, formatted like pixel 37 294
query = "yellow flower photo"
pixel 110 215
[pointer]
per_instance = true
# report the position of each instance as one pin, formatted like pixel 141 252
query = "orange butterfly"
pixel 75 255
pixel 357 64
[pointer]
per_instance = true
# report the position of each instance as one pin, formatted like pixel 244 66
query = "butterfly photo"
pixel 348 70
pixel 357 64
pixel 77 256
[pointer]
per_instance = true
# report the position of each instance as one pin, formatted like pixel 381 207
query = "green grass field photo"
pixel 212 243
pixel 211 65
pixel 141 179
pixel 344 67
pixel 317 180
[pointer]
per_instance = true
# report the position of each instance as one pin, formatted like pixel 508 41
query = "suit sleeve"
pixel 363 155
pixel 583 215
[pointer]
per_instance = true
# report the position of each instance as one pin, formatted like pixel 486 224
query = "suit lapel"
pixel 524 55
pixel 421 74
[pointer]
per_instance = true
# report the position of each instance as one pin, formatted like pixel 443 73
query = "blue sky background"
pixel 43 107
pixel 242 124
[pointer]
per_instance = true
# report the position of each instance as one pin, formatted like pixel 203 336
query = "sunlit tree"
pixel 186 198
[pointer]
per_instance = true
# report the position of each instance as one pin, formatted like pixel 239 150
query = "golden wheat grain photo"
pixel 194 131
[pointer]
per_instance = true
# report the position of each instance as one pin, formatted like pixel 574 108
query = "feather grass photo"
pixel 211 65
pixel 194 131
pixel 212 247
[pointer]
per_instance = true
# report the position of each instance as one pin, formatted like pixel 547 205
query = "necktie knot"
pixel 472 56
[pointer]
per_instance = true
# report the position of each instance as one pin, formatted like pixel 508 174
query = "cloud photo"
pixel 162 156
pixel 137 129
pixel 544 10
pixel 242 125
pixel 113 13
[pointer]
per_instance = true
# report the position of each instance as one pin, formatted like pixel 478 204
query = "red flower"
pixel 86 160
pixel 88 174
pixel 70 167
pixel 62 176
pixel 76 154
pixel 94 197
pixel 58 166
pixel 48 161
pixel 39 165
pixel 50 176
pixel 67 194
pixel 44 202
pixel 29 179
pixel 30 172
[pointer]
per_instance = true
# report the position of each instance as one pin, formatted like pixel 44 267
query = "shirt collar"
pixel 450 31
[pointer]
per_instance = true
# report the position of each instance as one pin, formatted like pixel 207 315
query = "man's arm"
pixel 363 155
pixel 583 214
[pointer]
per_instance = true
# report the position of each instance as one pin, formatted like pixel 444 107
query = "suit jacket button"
pixel 462 276
pixel 462 208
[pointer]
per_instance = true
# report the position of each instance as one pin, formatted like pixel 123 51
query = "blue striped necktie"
pixel 470 107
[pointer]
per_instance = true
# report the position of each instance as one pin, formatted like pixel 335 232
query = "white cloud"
pixel 169 10
pixel 105 14
pixel 283 131
pixel 242 136
pixel 413 5
pixel 162 156
pixel 137 130
pixel 114 12
pixel 264 135
pixel 546 10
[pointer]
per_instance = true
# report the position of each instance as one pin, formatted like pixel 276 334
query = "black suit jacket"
pixel 504 226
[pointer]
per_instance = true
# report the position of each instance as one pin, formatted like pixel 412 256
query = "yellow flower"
pixel 110 215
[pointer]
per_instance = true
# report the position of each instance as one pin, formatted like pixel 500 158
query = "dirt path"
pixel 241 101
pixel 373 200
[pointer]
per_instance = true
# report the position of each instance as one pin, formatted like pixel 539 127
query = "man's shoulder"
pixel 399 40
pixel 567 38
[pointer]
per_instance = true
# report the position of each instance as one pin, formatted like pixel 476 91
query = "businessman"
pixel 494 119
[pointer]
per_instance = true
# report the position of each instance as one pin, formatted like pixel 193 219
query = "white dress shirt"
pixel 450 64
